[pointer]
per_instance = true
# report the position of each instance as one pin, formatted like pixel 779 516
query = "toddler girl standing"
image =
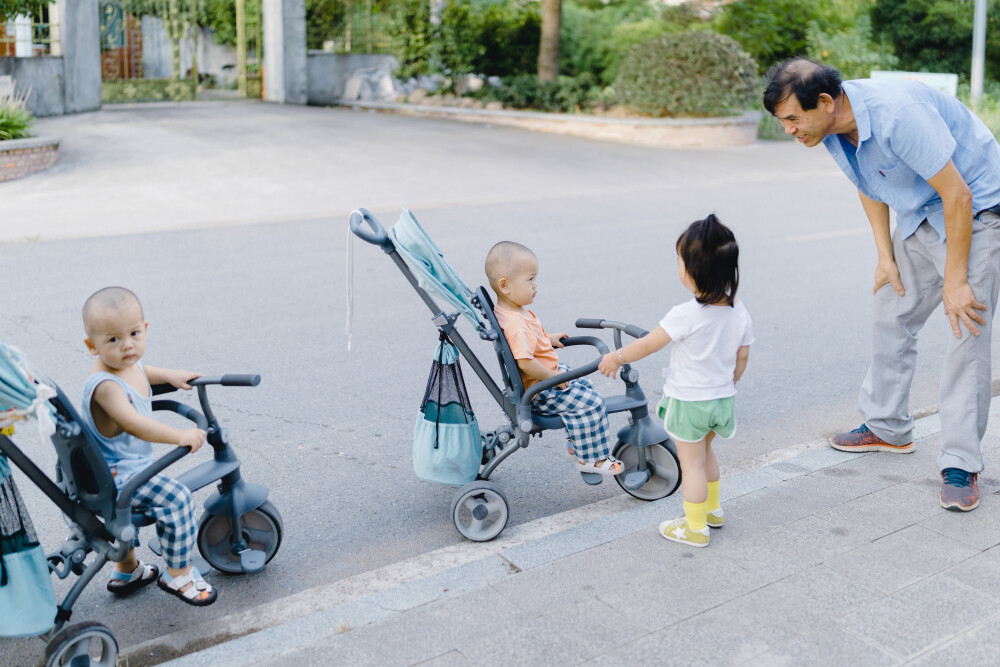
pixel 711 334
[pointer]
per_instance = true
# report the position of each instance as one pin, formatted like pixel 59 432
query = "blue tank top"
pixel 125 454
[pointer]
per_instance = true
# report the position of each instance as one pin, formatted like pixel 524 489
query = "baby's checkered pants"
pixel 583 412
pixel 170 503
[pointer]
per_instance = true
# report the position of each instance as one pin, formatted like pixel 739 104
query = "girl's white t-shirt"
pixel 703 354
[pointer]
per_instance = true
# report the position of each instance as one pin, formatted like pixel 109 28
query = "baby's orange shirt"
pixel 527 339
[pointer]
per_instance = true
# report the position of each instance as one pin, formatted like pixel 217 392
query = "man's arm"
pixel 959 301
pixel 886 270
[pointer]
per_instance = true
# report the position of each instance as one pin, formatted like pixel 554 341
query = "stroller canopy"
pixel 21 396
pixel 433 273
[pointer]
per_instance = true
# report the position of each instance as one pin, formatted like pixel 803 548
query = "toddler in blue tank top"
pixel 117 407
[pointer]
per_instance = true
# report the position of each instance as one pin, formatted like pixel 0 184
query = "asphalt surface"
pixel 229 220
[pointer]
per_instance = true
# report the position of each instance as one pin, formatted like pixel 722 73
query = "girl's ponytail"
pixel 711 258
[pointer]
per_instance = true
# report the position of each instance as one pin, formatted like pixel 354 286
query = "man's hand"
pixel 960 304
pixel 191 437
pixel 886 272
pixel 556 338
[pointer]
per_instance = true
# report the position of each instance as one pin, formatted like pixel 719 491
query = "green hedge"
pixel 688 74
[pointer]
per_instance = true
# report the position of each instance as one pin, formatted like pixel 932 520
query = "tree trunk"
pixel 548 51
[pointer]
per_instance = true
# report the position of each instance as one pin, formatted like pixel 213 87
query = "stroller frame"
pixel 480 510
pixel 240 530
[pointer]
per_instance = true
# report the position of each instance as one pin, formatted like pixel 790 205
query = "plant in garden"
pixel 769 30
pixel 525 91
pixel 15 119
pixel 936 35
pixel 11 8
pixel 493 38
pixel 697 73
pixel 851 51
pixel 414 35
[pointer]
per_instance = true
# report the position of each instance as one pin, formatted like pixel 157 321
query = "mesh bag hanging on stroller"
pixel 447 447
pixel 27 601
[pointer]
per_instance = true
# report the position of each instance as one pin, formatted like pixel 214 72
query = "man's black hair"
pixel 711 257
pixel 805 79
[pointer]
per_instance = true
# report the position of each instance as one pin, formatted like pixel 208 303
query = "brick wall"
pixel 21 157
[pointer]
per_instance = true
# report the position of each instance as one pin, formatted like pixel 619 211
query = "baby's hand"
pixel 556 338
pixel 193 438
pixel 180 379
pixel 610 364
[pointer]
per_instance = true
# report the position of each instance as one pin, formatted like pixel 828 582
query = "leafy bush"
pixel 524 91
pixel 769 30
pixel 15 119
pixel 688 74
pixel 852 51
pixel 414 37
pixel 11 8
pixel 491 38
pixel 936 35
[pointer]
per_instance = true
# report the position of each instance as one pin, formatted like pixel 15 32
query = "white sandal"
pixel 609 466
pixel 194 593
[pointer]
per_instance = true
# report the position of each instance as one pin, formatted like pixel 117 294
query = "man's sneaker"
pixel 715 518
pixel 679 531
pixel 959 489
pixel 862 439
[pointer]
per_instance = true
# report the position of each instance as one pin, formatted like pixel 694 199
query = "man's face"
pixel 808 127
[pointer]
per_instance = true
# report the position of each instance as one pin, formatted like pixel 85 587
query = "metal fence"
pixel 31 36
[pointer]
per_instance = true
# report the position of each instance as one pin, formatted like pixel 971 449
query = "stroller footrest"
pixel 635 479
pixel 592 478
pixel 252 561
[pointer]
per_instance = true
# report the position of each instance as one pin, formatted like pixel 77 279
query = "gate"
pixel 149 50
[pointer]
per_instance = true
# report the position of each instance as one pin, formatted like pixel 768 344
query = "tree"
pixel 548 51
pixel 11 8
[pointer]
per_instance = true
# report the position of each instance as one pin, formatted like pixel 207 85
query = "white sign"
pixel 6 86
pixel 946 83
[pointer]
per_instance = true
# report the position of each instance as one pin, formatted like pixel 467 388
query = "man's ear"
pixel 826 102
pixel 90 346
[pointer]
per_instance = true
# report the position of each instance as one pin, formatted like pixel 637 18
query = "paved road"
pixel 229 220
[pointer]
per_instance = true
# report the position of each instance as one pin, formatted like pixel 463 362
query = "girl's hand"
pixel 610 364
pixel 556 338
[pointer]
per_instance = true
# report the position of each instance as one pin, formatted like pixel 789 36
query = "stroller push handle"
pixel 630 329
pixel 376 236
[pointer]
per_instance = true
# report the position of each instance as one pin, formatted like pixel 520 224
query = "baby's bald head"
pixel 107 301
pixel 506 259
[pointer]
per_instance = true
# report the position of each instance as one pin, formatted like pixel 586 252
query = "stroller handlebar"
pixel 630 329
pixel 524 409
pixel 376 236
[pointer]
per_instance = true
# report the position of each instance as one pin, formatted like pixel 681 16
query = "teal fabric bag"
pixel 27 601
pixel 447 447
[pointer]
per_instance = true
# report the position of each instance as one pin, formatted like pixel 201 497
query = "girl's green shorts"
pixel 690 421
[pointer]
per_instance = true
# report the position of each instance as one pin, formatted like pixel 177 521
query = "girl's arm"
pixel 638 349
pixel 741 361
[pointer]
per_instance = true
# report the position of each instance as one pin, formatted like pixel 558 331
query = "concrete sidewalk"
pixel 826 558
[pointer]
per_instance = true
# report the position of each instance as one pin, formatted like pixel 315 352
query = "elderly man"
pixel 920 152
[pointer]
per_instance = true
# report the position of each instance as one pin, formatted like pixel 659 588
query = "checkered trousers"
pixel 170 503
pixel 583 412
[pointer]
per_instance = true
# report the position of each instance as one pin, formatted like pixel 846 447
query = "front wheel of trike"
pixel 663 465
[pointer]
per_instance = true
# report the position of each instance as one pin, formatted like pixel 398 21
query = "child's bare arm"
pixel 112 400
pixel 638 349
pixel 556 338
pixel 536 370
pixel 176 377
pixel 741 361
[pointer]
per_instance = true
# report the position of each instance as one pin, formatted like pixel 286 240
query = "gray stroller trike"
pixel 239 532
pixel 480 510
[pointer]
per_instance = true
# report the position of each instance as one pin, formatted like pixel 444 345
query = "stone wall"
pixel 20 157
pixel 45 78
pixel 328 73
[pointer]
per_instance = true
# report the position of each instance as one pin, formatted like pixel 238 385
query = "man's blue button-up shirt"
pixel 907 132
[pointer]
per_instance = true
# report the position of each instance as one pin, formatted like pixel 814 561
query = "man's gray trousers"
pixel 966 377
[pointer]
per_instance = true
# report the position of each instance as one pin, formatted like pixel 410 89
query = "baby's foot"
pixel 608 466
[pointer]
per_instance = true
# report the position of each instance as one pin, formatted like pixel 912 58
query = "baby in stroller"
pixel 512 270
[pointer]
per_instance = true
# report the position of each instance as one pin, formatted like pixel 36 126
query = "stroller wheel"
pixel 87 644
pixel 262 528
pixel 480 511
pixel 665 469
